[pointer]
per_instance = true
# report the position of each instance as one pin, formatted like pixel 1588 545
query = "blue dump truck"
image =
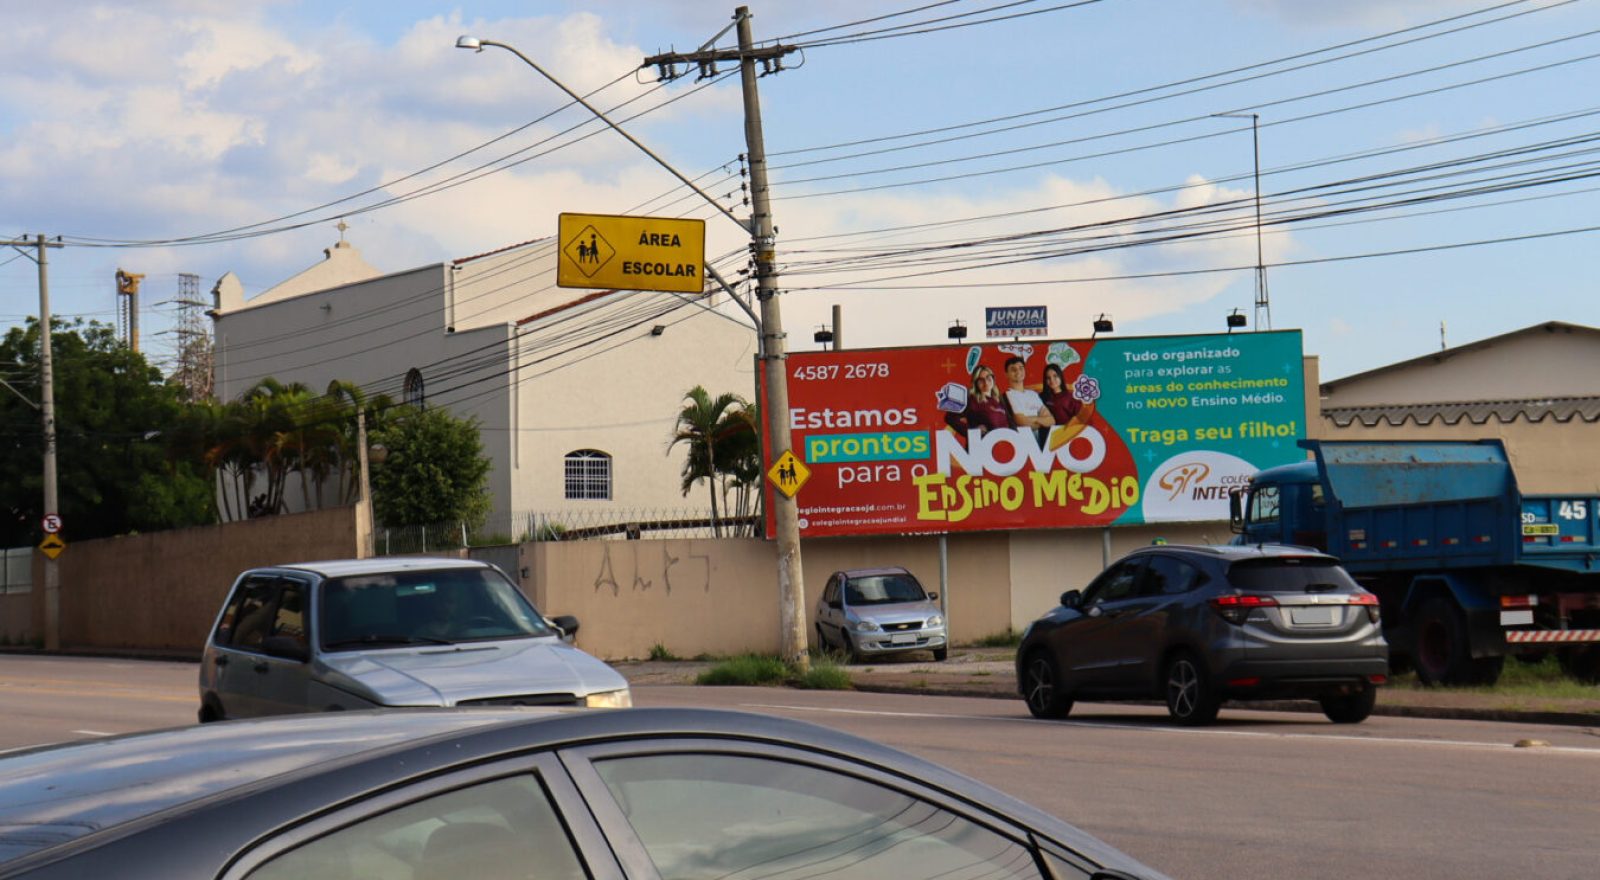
pixel 1467 569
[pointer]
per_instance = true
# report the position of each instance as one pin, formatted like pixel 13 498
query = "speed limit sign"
pixel 51 523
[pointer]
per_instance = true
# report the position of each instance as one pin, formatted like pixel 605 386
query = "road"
pixel 1260 795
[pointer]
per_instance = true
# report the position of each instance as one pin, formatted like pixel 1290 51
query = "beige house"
pixel 576 392
pixel 1537 389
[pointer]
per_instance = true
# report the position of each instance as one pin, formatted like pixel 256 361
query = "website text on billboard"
pixel 1041 434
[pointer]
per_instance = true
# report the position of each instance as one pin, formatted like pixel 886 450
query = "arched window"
pixel 588 474
pixel 414 394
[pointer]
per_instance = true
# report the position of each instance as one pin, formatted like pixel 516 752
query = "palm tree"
pixel 704 424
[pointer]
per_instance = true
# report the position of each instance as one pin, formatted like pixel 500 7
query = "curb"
pixel 1449 713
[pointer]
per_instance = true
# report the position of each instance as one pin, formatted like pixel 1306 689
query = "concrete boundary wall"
pixel 160 592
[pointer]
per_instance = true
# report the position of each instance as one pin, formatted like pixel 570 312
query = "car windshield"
pixel 397 609
pixel 883 589
pixel 1289 575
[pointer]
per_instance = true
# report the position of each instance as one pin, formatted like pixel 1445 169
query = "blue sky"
pixel 160 120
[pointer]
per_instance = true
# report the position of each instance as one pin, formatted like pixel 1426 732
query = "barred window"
pixel 415 393
pixel 588 475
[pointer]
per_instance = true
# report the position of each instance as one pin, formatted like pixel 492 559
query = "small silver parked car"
pixel 361 634
pixel 875 611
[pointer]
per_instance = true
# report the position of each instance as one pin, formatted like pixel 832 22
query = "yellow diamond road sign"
pixel 789 473
pixel 612 252
pixel 52 545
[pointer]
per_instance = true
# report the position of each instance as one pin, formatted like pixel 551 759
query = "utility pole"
pixel 1263 304
pixel 47 411
pixel 763 246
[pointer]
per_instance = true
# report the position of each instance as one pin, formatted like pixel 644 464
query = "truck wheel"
pixel 1442 653
pixel 1581 664
pixel 1350 708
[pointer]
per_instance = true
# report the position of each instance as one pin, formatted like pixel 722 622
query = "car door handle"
pixel 222 659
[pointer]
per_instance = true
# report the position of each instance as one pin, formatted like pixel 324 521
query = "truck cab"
pixel 1281 505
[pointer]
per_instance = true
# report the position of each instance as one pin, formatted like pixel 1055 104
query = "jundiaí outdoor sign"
pixel 1015 321
pixel 1040 434
pixel 613 252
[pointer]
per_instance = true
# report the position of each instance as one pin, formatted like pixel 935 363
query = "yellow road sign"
pixel 789 473
pixel 615 252
pixel 52 545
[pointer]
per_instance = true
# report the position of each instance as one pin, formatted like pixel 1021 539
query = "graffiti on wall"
pixel 643 568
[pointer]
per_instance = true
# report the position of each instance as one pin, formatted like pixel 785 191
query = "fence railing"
pixel 564 525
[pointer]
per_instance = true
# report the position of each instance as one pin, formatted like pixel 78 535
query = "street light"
pixel 823 336
pixel 1235 320
pixel 957 331
pixel 1102 324
pixel 1263 306
pixel 763 234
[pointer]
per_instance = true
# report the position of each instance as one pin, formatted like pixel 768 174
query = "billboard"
pixel 1040 434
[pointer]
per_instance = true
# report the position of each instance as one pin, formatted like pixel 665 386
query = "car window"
pixel 290 619
pixel 1169 576
pixel 883 589
pixel 248 619
pixel 1121 581
pixel 1289 575
pixel 830 593
pixel 500 830
pixel 395 609
pixel 728 817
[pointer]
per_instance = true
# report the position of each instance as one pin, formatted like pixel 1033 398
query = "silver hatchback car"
pixel 361 634
pixel 876 611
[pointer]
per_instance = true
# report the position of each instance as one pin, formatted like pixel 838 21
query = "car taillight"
pixel 1236 608
pixel 1371 603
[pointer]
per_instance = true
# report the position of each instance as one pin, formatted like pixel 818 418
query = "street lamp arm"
pixel 477 44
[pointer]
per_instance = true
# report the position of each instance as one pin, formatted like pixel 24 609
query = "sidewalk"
pixel 989 672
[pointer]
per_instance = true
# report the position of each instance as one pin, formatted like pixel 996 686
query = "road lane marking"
pixel 1391 740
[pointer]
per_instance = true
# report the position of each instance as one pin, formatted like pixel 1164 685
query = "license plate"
pixel 1311 616
pixel 905 639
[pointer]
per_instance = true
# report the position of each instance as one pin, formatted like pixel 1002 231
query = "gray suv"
pixel 362 634
pixel 877 611
pixel 1196 626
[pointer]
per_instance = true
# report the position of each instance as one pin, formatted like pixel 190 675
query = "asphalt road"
pixel 1260 795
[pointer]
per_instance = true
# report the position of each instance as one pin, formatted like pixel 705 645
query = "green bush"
pixel 748 669
pixel 659 651
pixel 824 675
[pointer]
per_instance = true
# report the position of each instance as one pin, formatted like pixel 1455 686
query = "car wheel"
pixel 1191 700
pixel 851 655
pixel 1041 687
pixel 1443 654
pixel 210 711
pixel 1350 708
pixel 939 654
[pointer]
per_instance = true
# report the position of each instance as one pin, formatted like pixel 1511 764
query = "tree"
pixel 435 470
pixel 113 417
pixel 707 427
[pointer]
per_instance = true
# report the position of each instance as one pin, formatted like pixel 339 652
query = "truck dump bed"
pixel 1407 505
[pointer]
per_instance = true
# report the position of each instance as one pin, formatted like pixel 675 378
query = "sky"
pixel 1426 166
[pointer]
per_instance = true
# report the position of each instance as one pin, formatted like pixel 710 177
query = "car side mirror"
pixel 1236 510
pixel 287 647
pixel 567 624
pixel 1072 598
pixel 933 597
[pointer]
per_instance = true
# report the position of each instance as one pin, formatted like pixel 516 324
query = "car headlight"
pixel 622 699
pixel 865 626
pixel 934 622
